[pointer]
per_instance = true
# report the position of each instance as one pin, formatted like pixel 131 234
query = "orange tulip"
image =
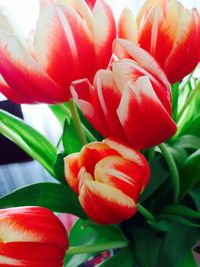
pixel 169 32
pixel 108 177
pixel 71 41
pixel 31 237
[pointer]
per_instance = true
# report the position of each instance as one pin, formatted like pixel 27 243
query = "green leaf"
pixel 31 141
pixel 190 173
pixel 187 142
pixel 71 140
pixel 192 127
pixel 146 247
pixel 58 167
pixel 175 93
pixel 56 197
pixel 188 261
pixel 182 211
pixel 159 174
pixel 124 256
pixel 162 225
pixel 195 195
pixel 91 237
pixel 61 112
pixel 176 244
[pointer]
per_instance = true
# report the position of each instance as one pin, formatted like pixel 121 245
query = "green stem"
pixel 189 99
pixel 151 153
pixel 145 213
pixel 77 122
pixel 173 170
pixel 97 247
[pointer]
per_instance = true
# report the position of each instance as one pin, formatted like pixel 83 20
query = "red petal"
pixel 22 73
pixel 71 170
pixel 64 45
pixel 93 153
pixel 105 204
pixel 121 174
pixel 144 119
pixel 104 32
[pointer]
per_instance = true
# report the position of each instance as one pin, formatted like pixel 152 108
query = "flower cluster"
pixel 120 77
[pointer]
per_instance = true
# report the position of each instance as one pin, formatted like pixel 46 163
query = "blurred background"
pixel 16 168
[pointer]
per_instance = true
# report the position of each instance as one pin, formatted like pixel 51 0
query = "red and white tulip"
pixel 72 40
pixel 132 101
pixel 169 32
pixel 108 177
pixel 31 237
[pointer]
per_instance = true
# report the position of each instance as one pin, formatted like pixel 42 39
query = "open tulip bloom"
pixel 127 165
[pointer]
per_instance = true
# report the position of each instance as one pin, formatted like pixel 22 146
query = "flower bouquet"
pixel 127 95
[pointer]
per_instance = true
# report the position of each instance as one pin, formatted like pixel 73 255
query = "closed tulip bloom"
pixel 31 237
pixel 132 101
pixel 72 40
pixel 108 177
pixel 169 32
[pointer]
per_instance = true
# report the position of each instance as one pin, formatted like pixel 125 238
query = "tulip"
pixel 71 41
pixel 108 178
pixel 169 32
pixel 132 101
pixel 31 237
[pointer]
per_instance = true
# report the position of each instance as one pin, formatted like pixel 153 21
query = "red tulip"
pixel 71 41
pixel 108 177
pixel 169 32
pixel 131 102
pixel 31 237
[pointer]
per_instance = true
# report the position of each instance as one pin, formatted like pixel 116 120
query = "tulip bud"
pixel 32 237
pixel 169 32
pixel 108 178
pixel 132 101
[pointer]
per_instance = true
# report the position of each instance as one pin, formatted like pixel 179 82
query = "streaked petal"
pixel 143 59
pixel 127 26
pixel 83 93
pixel 126 69
pixel 92 153
pixel 118 173
pixel 105 93
pixel 64 45
pixel 104 32
pixel 115 205
pixel 72 170
pixel 24 75
pixel 142 114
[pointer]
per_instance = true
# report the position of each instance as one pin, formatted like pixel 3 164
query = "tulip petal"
pixel 126 69
pixel 106 92
pixel 24 75
pixel 104 32
pixel 92 153
pixel 186 45
pixel 127 26
pixel 118 173
pixel 143 59
pixel 63 45
pixel 72 170
pixel 142 114
pixel 116 206
pixel 83 93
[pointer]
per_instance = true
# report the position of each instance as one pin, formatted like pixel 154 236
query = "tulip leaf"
pixel 71 141
pixel 28 139
pixel 176 245
pixel 195 195
pixel 159 174
pixel 61 112
pixel 175 93
pixel 125 255
pixel 56 197
pixel 93 238
pixel 187 142
pixel 146 247
pixel 188 261
pixel 190 173
pixel 58 167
